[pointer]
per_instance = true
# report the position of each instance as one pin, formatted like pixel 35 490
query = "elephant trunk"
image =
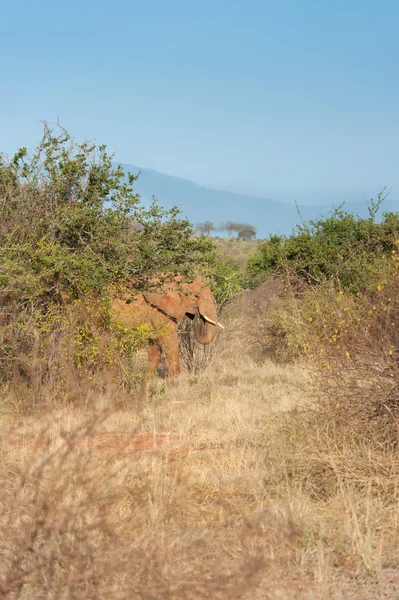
pixel 206 327
pixel 205 332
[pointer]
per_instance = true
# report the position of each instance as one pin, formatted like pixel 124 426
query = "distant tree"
pixel 247 232
pixel 228 227
pixel 206 227
pixel 244 231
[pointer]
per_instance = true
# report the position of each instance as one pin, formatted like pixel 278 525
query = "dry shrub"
pixel 351 339
pixel 354 340
pixel 271 322
pixel 359 400
pixel 342 449
pixel 75 524
pixel 347 444
pixel 339 449
pixel 74 351
pixel 197 358
pixel 340 458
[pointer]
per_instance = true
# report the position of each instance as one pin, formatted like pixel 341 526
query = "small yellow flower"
pixel 390 351
pixel 379 287
pixel 347 354
pixel 346 308
pixel 337 405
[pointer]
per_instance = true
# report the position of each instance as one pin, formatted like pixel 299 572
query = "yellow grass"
pixel 222 510
pixel 236 251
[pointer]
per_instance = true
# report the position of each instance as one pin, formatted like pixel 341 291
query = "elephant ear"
pixel 172 304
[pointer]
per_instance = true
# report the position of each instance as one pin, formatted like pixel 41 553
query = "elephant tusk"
pixel 212 322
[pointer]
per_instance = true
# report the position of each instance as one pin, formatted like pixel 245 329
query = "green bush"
pixel 342 246
pixel 340 286
pixel 71 226
pixel 68 226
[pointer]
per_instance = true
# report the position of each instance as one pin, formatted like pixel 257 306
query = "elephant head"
pixel 191 299
pixel 207 324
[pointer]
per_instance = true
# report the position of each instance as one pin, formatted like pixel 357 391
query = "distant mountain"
pixel 199 203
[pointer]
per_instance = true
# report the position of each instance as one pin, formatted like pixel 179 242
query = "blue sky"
pixel 289 100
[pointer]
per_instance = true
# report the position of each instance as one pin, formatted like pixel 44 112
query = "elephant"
pixel 169 301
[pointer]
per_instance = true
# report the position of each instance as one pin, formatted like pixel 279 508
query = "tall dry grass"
pixel 252 483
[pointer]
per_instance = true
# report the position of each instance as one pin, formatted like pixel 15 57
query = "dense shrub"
pixel 69 225
pixel 339 289
pixel 72 225
pixel 341 246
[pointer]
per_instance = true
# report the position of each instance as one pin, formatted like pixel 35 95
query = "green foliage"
pixel 67 226
pixel 226 280
pixel 167 245
pixel 65 221
pixel 71 228
pixel 342 246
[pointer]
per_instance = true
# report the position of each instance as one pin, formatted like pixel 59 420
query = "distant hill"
pixel 199 203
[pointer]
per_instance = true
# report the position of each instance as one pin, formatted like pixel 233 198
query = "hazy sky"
pixel 282 98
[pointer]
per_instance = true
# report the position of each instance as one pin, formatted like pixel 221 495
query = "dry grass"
pixel 252 493
pixel 236 251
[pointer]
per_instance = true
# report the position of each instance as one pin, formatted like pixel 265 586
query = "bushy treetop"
pixel 71 224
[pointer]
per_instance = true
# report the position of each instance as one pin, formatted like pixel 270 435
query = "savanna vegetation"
pixel 72 230
pixel 236 245
pixel 239 231
pixel 236 252
pixel 269 469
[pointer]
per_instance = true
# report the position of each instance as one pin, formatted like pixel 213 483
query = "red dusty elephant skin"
pixel 171 302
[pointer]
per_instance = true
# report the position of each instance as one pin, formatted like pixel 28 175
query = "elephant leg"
pixel 154 357
pixel 170 344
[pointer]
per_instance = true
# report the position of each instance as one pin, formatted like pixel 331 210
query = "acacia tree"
pixel 244 231
pixel 206 227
